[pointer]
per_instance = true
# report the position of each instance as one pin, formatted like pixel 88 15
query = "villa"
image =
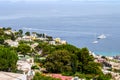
pixel 26 38
pixel 12 43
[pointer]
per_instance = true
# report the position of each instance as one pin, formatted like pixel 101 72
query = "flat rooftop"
pixel 11 76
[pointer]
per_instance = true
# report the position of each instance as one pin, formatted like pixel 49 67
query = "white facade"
pixel 12 76
pixel 23 65
pixel 12 43
pixel 7 32
pixel 26 38
pixel 52 42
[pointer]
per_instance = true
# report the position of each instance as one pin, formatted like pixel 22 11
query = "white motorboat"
pixel 95 42
pixel 101 36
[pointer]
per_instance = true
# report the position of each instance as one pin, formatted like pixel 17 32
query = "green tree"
pixel 105 77
pixel 8 28
pixel 74 63
pixel 39 35
pixel 84 58
pixel 68 47
pixel 92 68
pixel 50 38
pixel 24 49
pixel 13 37
pixel 1 40
pixel 59 61
pixel 27 33
pixel 68 58
pixel 8 59
pixel 1 32
pixel 21 31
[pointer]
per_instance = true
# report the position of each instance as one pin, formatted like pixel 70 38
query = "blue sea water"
pixel 76 30
pixel 77 23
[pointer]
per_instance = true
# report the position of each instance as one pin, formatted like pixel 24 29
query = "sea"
pixel 78 26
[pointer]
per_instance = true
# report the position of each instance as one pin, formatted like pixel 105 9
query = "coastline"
pixel 110 54
pixel 81 40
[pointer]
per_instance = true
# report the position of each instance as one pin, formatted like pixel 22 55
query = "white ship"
pixel 101 36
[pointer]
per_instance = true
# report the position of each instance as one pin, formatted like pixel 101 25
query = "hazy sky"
pixel 12 9
pixel 57 0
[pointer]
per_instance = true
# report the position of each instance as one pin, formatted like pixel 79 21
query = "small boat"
pixel 101 36
pixel 95 42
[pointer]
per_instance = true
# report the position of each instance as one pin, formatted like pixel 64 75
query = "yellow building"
pixel 57 40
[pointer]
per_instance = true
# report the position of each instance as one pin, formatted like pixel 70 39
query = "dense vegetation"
pixel 8 59
pixel 64 59
pixel 5 34
pixel 69 60
pixel 24 49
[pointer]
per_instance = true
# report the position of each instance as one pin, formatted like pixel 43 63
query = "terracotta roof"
pixel 61 77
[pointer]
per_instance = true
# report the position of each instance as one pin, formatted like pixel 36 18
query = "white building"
pixel 34 45
pixel 19 39
pixel 63 42
pixel 57 40
pixel 52 42
pixel 25 63
pixel 12 76
pixel 7 32
pixel 12 43
pixel 26 38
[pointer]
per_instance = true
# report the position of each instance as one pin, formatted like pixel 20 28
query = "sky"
pixel 13 9
pixel 51 0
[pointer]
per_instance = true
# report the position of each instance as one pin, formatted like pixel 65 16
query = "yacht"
pixel 102 36
pixel 95 42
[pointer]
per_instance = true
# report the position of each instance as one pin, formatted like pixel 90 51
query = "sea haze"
pixel 80 23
